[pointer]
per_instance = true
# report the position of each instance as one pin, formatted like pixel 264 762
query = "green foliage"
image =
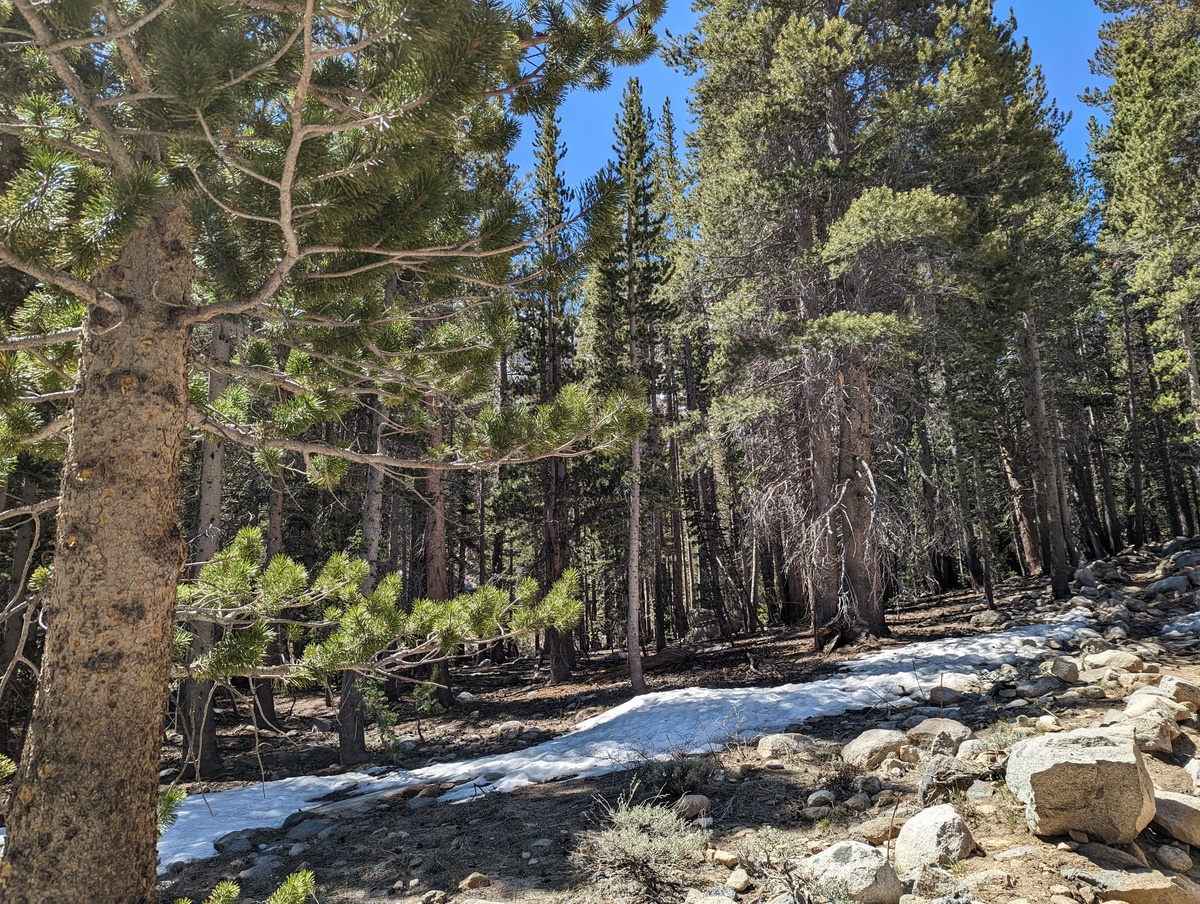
pixel 296 889
pixel 8 768
pixel 169 801
pixel 343 626
pixel 644 851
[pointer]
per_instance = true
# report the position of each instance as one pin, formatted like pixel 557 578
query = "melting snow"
pixel 657 725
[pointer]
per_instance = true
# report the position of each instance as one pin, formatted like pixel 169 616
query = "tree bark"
pixel 83 812
pixel 196 715
pixel 633 632
pixel 1046 464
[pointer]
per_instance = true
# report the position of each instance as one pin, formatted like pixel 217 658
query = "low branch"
pixel 40 340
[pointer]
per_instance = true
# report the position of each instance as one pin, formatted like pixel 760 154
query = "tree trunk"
pixel 1137 530
pixel 83 812
pixel 262 690
pixel 196 716
pixel 437 583
pixel 633 638
pixel 860 552
pixel 352 742
pixel 1045 464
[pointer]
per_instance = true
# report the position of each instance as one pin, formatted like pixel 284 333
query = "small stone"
pixel 858 803
pixel 821 798
pixel 691 806
pixel 783 746
pixel 739 880
pixel 1078 837
pixel 726 859
pixel 475 880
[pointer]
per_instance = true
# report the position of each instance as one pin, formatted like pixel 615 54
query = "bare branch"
pixel 40 340
pixel 81 289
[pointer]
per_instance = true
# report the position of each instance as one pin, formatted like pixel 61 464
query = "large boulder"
pixel 934 837
pixel 1178 815
pixel 1089 780
pixel 864 870
pixel 871 748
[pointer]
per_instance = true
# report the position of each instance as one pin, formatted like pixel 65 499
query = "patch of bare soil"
pixel 405 847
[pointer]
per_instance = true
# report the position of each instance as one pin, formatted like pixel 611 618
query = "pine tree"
pixel 195 161
pixel 624 296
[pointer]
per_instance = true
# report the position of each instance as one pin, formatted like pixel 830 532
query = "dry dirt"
pixel 522 841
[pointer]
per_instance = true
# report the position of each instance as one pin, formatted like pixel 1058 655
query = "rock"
pixel 1174 858
pixel 1089 779
pixel 308 829
pixel 871 748
pixel 1039 687
pixel 1176 583
pixel 988 619
pixel 739 880
pixel 1062 668
pixel 1178 815
pixel 858 802
pixel 816 813
pixel 1120 877
pixel 934 836
pixel 782 746
pixel 1139 705
pixel 263 868
pixel 865 872
pixel 980 790
pixel 235 842
pixel 473 881
pixel 510 729
pixel 821 798
pixel 1085 577
pixel 924 732
pixel 1154 732
pixel 943 775
pixel 692 805
pixel 1181 690
pixel 972 749
pixel 727 859
pixel 929 881
pixel 881 829
pixel 1114 659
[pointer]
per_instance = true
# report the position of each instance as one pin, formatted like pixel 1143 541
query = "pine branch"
pixel 40 340
pixel 81 289
pixel 122 161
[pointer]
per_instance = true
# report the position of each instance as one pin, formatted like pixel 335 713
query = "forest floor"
pixel 410 848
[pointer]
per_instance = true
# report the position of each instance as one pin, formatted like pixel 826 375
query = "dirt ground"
pixel 407 850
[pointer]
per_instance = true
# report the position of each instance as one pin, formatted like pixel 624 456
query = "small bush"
pixel 296 889
pixel 643 852
pixel 679 776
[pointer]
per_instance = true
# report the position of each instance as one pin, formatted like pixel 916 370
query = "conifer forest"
pixel 307 388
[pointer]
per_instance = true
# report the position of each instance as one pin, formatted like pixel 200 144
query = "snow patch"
pixel 653 726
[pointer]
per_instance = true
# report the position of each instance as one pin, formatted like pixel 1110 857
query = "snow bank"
pixel 658 725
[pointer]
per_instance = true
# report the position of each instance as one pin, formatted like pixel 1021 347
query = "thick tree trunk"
pixel 196 716
pixel 1045 464
pixel 82 822
pixel 860 550
pixel 633 639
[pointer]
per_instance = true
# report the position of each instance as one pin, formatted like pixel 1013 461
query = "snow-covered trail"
pixel 657 725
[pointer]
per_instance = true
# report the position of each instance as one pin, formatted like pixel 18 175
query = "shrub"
pixel 644 850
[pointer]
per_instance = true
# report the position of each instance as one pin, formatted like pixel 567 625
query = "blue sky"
pixel 1061 33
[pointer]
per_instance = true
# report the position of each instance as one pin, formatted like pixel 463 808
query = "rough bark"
pixel 82 818
pixel 1050 501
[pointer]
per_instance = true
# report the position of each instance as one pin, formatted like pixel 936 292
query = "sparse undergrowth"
pixel 645 851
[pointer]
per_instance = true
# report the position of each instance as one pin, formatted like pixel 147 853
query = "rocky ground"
pixel 1070 781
